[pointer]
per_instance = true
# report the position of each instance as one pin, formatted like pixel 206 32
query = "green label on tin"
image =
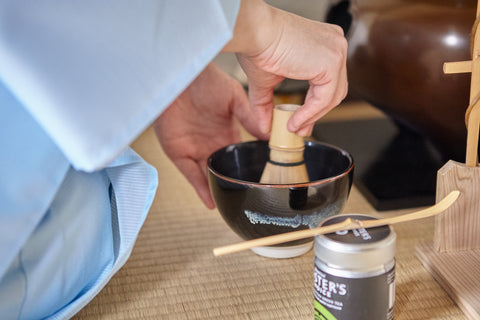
pixel 340 298
pixel 321 313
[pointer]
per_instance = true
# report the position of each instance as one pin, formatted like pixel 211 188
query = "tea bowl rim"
pixel 280 186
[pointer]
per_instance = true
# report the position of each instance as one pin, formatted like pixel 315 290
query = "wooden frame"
pixel 453 257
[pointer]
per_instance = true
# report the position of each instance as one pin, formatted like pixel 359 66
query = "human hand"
pixel 202 120
pixel 288 46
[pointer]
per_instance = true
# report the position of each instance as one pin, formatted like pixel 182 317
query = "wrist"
pixel 254 28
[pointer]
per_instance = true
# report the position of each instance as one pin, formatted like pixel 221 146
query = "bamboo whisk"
pixel 286 164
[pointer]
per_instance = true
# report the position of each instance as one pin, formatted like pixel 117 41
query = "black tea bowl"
pixel 254 210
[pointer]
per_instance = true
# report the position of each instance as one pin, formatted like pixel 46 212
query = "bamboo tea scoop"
pixel 286 164
pixel 348 224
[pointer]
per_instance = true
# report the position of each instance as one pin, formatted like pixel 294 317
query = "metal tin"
pixel 354 275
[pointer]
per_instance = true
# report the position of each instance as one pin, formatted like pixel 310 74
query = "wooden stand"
pixel 454 256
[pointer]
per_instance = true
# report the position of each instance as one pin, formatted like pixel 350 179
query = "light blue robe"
pixel 79 81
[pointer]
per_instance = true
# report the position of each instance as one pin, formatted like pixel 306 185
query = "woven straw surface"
pixel 172 273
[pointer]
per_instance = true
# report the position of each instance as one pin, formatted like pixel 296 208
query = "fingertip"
pixel 292 127
pixel 265 128
pixel 293 124
pixel 208 201
pixel 210 205
pixel 264 118
pixel 305 132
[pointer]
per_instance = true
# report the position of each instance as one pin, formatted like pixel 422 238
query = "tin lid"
pixel 358 249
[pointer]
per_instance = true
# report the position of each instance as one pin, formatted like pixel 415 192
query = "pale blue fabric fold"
pixel 79 80
pixel 31 171
pixel 132 188
pixel 129 58
pixel 85 236
pixel 63 232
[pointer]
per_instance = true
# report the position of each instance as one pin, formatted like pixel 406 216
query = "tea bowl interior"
pixel 254 210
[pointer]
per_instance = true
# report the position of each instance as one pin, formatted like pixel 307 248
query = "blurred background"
pixel 403 118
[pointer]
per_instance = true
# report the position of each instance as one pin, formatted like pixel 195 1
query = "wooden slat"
pixel 458 227
pixel 457 67
pixel 457 272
